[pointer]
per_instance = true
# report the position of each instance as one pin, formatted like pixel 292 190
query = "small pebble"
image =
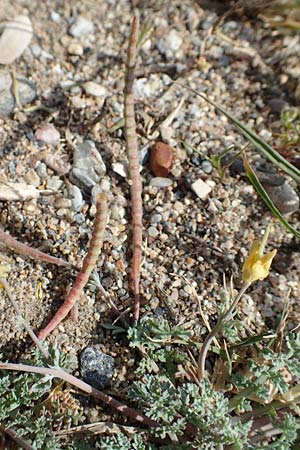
pixel 47 133
pixel 78 102
pixel 54 183
pixel 179 207
pixel 201 189
pixel 277 105
pixel 41 169
pixel 170 43
pixel 75 49
pixel 31 177
pixel 76 197
pixel 36 50
pixel 55 16
pixel 62 203
pixel 81 27
pixel 161 158
pixel 153 232
pixel 120 169
pixel 56 163
pixel 156 218
pixel 96 367
pixel 94 89
pixel 88 166
pixel 161 182
pixel 105 185
pixel 15 39
pixel 284 197
pixel 206 166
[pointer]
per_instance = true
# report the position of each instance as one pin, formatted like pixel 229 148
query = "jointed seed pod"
pixel 133 158
pixel 88 265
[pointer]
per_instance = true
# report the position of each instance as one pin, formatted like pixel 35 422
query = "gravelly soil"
pixel 189 243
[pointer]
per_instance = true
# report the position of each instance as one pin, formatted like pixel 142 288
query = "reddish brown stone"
pixel 161 158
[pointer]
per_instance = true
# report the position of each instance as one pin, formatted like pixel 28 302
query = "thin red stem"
pixel 23 249
pixel 133 158
pixel 85 387
pixel 88 265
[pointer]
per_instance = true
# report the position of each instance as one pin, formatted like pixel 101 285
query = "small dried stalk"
pixel 23 249
pixel 12 299
pixel 88 265
pixel 133 158
pixel 57 372
pixel 18 439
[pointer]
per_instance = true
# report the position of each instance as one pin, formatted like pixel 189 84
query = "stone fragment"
pixel 48 133
pixel 54 183
pixel 78 102
pixel 81 27
pixel 170 43
pixel 14 192
pixel 75 49
pixel 156 218
pixel 56 163
pixel 88 166
pixel 206 166
pixel 280 192
pixel 96 367
pixel 26 90
pixel 120 168
pixel 201 189
pixel 32 178
pixel 55 16
pixel 15 39
pixel 160 182
pixel 62 202
pixel 277 105
pixel 153 232
pixel 161 158
pixel 76 197
pixel 94 89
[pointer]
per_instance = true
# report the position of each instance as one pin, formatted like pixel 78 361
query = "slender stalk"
pixel 133 158
pixel 26 325
pixel 18 439
pixel 214 332
pixel 88 265
pixel 57 372
pixel 25 250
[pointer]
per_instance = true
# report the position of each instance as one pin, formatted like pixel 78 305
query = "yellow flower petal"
pixel 257 266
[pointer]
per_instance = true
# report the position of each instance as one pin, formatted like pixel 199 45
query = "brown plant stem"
pixel 15 437
pixel 25 250
pixel 85 387
pixel 88 265
pixel 133 158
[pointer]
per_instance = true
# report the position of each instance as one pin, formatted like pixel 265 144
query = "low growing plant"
pixel 27 404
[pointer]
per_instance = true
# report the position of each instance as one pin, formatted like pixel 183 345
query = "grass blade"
pixel 252 137
pixel 261 191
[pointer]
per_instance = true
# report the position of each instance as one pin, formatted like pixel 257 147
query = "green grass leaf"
pixel 252 137
pixel 261 191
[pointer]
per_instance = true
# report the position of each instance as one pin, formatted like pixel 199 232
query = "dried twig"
pixel 26 325
pixel 18 439
pixel 88 265
pixel 133 158
pixel 29 251
pixel 57 372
